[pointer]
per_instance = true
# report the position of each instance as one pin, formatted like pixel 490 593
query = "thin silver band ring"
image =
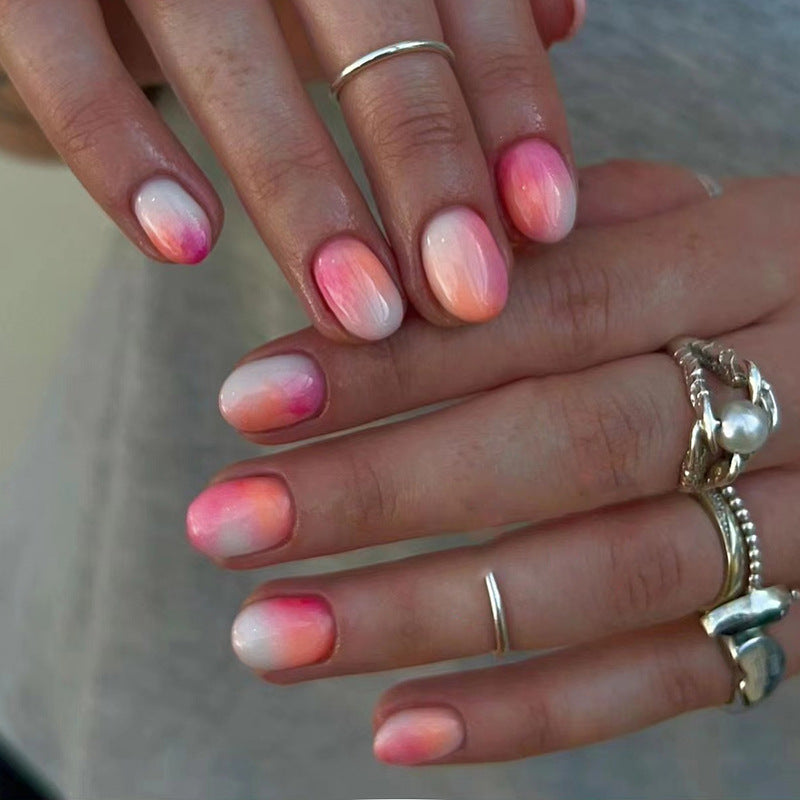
pixel 712 186
pixel 390 51
pixel 501 642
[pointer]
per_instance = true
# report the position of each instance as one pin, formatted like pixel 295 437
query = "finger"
pixel 505 74
pixel 534 450
pixel 626 191
pixel 65 68
pixel 232 68
pixel 562 700
pixel 413 129
pixel 561 584
pixel 604 294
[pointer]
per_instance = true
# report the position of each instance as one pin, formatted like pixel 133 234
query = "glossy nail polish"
pixel 173 221
pixel 464 266
pixel 284 632
pixel 240 517
pixel 272 393
pixel 537 190
pixel 358 289
pixel 419 736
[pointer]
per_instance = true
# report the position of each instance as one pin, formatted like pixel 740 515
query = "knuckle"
pixel 542 731
pixel 644 572
pixel 507 69
pixel 81 121
pixel 369 503
pixel 577 296
pixel 677 684
pixel 404 128
pixel 610 438
pixel 277 173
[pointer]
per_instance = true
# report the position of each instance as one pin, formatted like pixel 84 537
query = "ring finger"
pixel 562 584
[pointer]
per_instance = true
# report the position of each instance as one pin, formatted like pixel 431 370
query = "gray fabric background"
pixel 116 674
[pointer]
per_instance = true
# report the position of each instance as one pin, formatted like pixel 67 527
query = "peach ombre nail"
pixel 272 393
pixel 419 736
pixel 358 289
pixel 537 190
pixel 464 265
pixel 284 632
pixel 241 517
pixel 173 221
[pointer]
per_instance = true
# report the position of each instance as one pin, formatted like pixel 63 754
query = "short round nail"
pixel 241 517
pixel 358 289
pixel 464 266
pixel 578 18
pixel 272 393
pixel 173 220
pixel 284 633
pixel 419 736
pixel 537 190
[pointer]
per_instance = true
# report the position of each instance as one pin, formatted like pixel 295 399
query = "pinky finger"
pixel 562 700
pixel 62 62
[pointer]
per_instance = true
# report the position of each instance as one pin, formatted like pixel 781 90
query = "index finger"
pixel 605 294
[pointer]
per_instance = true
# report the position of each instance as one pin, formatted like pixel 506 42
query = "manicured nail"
pixel 358 289
pixel 578 18
pixel 537 190
pixel 464 265
pixel 272 393
pixel 284 632
pixel 241 517
pixel 419 736
pixel 173 221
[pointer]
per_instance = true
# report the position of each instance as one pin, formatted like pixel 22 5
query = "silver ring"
pixel 501 641
pixel 390 51
pixel 720 447
pixel 758 660
pixel 712 186
pixel 716 505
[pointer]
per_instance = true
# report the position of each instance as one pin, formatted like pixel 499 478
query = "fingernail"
pixel 419 736
pixel 358 289
pixel 284 632
pixel 578 18
pixel 537 190
pixel 173 221
pixel 272 393
pixel 464 265
pixel 240 517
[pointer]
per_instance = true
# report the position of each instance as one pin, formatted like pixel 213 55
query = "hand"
pixel 434 140
pixel 571 417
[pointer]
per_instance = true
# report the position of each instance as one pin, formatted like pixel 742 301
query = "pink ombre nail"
pixel 419 736
pixel 241 517
pixel 284 632
pixel 173 221
pixel 358 289
pixel 272 393
pixel 578 18
pixel 464 265
pixel 537 190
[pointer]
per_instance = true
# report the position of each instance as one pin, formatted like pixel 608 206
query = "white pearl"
pixel 744 427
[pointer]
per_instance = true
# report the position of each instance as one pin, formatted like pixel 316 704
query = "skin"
pixel 427 134
pixel 584 423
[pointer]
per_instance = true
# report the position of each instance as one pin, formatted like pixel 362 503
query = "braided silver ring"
pixel 720 447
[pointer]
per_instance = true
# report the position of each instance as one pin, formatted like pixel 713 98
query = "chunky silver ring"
pixel 390 51
pixel 501 641
pixel 758 660
pixel 712 186
pixel 720 447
